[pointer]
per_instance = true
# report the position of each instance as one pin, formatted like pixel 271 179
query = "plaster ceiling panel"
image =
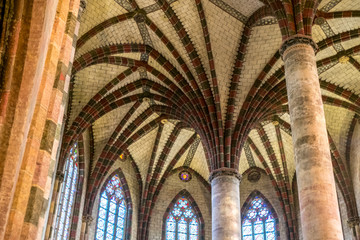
pixel 144 3
pixel 131 78
pixel 243 164
pixel 346 5
pixel 263 44
pixel 327 52
pixel 187 12
pixel 333 95
pixel 257 160
pixel 317 33
pixel 162 22
pixel 285 117
pixel 161 69
pixel 351 43
pixel 244 6
pixel 225 33
pixel 164 51
pixel 344 75
pixel 271 134
pixel 167 130
pixel 289 153
pixel 339 25
pixel 141 152
pixel 260 146
pixel 122 32
pixel 182 159
pixel 199 163
pixel 135 56
pixel 88 82
pixel 98 11
pixel 105 126
pixel 183 137
pixel 142 108
pixel 278 64
pixel 338 122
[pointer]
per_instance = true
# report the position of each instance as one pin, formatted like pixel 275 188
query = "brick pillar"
pixel 319 210
pixel 225 204
pixel 60 92
pixel 30 38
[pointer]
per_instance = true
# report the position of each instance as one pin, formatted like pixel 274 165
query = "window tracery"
pixel 113 211
pixel 258 220
pixel 67 196
pixel 182 221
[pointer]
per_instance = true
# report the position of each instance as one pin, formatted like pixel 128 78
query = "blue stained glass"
pixel 170 235
pixel 99 234
pixel 67 196
pixel 259 237
pixel 182 236
pixel 110 229
pixel 119 232
pixel 188 213
pixel 182 223
pixel 112 210
pixel 258 223
pixel 270 236
pixel 258 227
pixel 112 206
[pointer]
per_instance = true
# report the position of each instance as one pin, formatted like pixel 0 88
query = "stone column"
pixel 320 217
pixel 225 199
pixel 354 225
pixel 86 222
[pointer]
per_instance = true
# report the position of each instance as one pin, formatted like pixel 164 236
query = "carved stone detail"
pixel 297 40
pixel 354 221
pixel 254 176
pixel 225 172
pixel 60 176
pixel 87 219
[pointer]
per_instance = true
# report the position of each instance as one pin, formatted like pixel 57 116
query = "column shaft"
pixel 225 198
pixel 320 218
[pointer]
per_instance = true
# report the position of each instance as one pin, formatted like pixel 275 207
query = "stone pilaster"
pixel 86 222
pixel 225 198
pixel 320 218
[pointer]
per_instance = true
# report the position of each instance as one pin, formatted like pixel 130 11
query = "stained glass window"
pixel 258 222
pixel 111 220
pixel 67 196
pixel 182 222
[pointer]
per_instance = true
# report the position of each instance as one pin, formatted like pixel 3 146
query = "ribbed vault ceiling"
pixel 149 75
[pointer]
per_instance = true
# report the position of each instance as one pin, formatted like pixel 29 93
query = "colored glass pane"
pixel 182 223
pixel 258 222
pixel 112 211
pixel 67 196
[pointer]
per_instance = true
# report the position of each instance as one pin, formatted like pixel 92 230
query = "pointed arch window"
pixel 113 211
pixel 259 220
pixel 67 196
pixel 182 220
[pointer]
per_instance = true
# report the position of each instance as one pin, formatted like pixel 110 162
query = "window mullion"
pixel 116 219
pixel 106 216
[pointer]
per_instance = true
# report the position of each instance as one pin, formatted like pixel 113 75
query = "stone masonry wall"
pixel 265 187
pixel 132 182
pixel 171 188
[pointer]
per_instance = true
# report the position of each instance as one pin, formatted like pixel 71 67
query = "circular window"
pixel 185 176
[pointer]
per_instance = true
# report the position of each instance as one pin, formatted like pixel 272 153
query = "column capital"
pixel 87 218
pixel 297 39
pixel 225 172
pixel 354 221
pixel 60 176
